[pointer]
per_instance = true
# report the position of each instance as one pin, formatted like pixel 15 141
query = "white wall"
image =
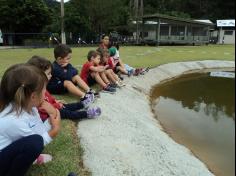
pixel 226 39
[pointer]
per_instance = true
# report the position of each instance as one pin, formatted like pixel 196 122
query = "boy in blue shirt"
pixel 65 77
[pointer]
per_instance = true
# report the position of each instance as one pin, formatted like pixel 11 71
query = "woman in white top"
pixel 22 133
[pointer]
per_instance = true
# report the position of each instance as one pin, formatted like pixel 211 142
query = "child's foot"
pixel 42 159
pixel 96 94
pixel 87 100
pixel 144 71
pixel 130 72
pixel 90 95
pixel 113 85
pixel 110 89
pixel 121 77
pixel 94 112
pixel 137 71
pixel 121 84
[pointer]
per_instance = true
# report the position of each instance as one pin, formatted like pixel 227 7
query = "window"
pixel 229 32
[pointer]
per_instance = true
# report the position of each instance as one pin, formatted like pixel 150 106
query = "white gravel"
pixel 127 139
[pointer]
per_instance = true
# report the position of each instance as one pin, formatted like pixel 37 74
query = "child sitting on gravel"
pixel 65 77
pixel 109 72
pixel 93 73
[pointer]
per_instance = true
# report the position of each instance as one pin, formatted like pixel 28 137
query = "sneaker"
pixel 90 91
pixel 71 174
pixel 94 112
pixel 130 72
pixel 113 85
pixel 109 89
pixel 121 84
pixel 137 71
pixel 90 95
pixel 87 100
pixel 97 95
pixel 144 71
pixel 42 159
pixel 121 77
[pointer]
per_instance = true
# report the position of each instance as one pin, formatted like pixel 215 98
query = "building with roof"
pixel 225 31
pixel 162 29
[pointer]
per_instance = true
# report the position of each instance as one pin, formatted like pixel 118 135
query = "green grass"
pixel 65 149
pixel 134 56
pixel 66 153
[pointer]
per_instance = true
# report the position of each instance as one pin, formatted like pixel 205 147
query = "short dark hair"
pixel 40 62
pixel 92 53
pixel 102 51
pixel 62 51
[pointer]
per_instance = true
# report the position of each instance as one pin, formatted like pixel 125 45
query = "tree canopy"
pixel 23 15
pixel 90 17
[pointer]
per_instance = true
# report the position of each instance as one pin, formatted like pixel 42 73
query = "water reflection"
pixel 192 91
pixel 198 111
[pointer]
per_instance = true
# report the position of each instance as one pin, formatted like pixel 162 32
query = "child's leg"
pixel 122 70
pixel 99 80
pixel 116 77
pixel 79 81
pixel 110 75
pixel 74 115
pixel 16 158
pixel 74 106
pixel 104 77
pixel 73 89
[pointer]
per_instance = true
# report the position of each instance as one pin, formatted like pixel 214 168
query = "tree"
pixel 23 15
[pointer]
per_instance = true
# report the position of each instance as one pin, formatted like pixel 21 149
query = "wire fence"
pixel 49 40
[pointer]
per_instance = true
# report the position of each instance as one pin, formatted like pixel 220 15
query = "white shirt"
pixel 14 127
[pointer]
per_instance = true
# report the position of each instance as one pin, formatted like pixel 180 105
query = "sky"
pixel 64 0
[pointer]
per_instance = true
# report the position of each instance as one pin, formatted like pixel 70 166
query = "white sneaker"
pixel 121 84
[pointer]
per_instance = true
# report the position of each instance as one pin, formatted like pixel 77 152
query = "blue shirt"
pixel 60 74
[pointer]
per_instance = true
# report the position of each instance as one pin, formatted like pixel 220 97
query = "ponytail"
pixel 20 98
pixel 17 85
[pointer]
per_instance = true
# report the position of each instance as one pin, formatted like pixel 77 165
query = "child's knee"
pixel 67 83
pixel 94 74
pixel 35 143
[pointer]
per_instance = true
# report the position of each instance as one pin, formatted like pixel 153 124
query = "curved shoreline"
pixel 128 140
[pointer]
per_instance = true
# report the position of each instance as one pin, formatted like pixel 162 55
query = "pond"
pixel 198 111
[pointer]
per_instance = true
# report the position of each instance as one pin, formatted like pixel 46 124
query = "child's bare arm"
pixel 97 68
pixel 56 123
pixel 121 63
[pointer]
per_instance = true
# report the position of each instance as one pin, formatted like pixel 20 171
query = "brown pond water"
pixel 198 111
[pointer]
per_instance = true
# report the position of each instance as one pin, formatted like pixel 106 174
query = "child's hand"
pixel 48 108
pixel 101 68
pixel 56 123
pixel 56 120
pixel 106 67
pixel 61 103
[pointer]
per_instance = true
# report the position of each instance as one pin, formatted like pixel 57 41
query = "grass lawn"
pixel 65 148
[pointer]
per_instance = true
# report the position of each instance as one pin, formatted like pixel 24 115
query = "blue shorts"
pixel 57 88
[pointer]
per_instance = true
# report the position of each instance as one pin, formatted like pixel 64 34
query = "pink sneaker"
pixel 42 159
